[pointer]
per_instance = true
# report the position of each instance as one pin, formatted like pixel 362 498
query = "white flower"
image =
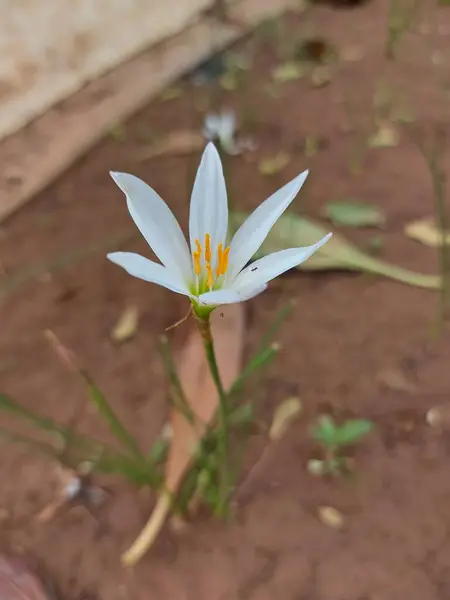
pixel 211 272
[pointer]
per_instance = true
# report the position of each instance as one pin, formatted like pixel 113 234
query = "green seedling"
pixel 333 438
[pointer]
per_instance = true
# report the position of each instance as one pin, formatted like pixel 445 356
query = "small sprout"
pixel 284 414
pixel 274 164
pixel 330 517
pixel 126 326
pixel 333 438
pixel 353 213
pixel 427 232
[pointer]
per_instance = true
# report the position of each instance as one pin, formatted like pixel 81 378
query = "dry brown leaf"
pixel 283 416
pixel 126 326
pixel 396 380
pixel 177 143
pixel 273 164
pixel 386 136
pixel 200 391
pixel 330 517
pixel 427 232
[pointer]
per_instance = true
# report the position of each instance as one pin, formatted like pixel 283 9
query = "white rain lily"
pixel 211 272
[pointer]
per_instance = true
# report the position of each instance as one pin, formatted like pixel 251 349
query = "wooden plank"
pixel 36 155
pixel 49 53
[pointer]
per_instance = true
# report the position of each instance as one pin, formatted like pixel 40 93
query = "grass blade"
pixel 105 410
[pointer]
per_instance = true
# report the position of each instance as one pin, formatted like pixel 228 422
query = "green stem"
pixel 204 326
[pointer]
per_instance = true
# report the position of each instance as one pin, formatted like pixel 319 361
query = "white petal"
pixel 267 268
pixel 209 207
pixel 157 223
pixel 230 295
pixel 252 233
pixel 146 269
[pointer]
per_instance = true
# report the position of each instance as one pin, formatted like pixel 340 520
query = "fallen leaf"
pixel 351 213
pixel 330 517
pixel 200 391
pixel 273 164
pixel 312 145
pixel 337 254
pixel 288 71
pixel 170 93
pixel 126 326
pixel 283 416
pixel 386 136
pixel 396 380
pixel 177 143
pixel 229 81
pixel 427 232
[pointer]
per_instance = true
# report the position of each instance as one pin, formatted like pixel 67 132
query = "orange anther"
pixel 208 248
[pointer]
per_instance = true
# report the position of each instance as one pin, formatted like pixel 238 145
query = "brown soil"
pixel 344 332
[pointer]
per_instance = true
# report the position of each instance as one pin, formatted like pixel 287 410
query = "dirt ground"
pixel 345 332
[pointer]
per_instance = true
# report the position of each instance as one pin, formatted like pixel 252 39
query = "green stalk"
pixel 204 326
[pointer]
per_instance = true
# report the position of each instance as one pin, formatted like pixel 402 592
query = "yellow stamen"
pixel 224 266
pixel 197 264
pixel 209 275
pixel 208 248
pixel 219 260
pixel 203 270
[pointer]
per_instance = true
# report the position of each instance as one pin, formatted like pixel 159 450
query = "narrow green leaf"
pixel 352 431
pixel 337 254
pixel 35 419
pixel 265 353
pixel 105 410
pixel 256 363
pixel 39 447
